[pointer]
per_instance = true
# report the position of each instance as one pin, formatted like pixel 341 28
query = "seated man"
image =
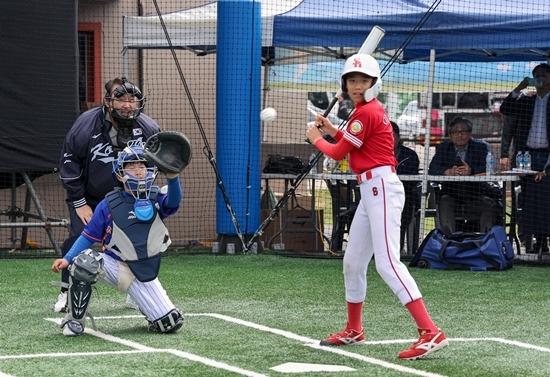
pixel 462 155
pixel 408 163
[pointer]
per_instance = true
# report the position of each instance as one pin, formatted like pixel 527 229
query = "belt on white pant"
pixel 380 171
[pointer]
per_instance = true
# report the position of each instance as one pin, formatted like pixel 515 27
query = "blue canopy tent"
pixel 298 31
pixel 457 30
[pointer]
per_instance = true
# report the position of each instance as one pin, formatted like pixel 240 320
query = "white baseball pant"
pixel 375 231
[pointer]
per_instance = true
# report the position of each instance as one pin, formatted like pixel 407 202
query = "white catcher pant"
pixel 150 296
pixel 375 231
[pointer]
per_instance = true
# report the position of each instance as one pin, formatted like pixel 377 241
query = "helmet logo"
pixel 357 63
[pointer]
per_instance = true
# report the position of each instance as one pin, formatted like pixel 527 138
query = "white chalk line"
pixel 182 354
pixel 313 343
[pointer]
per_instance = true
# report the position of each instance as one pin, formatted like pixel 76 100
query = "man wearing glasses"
pixel 93 142
pixel 462 155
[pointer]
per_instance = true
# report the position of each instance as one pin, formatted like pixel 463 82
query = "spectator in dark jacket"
pixel 407 164
pixel 345 106
pixel 462 155
pixel 531 132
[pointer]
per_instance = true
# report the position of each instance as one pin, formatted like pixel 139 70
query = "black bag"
pixel 465 251
pixel 277 164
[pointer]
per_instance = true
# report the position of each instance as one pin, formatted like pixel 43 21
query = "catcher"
pixel 129 224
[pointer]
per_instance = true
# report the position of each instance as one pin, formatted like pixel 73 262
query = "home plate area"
pixel 294 367
pixel 304 367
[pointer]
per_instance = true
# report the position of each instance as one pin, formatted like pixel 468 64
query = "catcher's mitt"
pixel 169 151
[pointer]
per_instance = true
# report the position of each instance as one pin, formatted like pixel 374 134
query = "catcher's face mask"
pixel 136 182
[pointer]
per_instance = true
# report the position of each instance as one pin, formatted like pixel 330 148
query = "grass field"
pixel 247 314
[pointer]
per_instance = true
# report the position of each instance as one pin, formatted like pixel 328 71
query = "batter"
pixel 368 139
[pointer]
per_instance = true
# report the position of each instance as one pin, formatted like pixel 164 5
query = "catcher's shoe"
pixel 168 324
pixel 151 327
pixel 73 328
pixel 426 344
pixel 60 305
pixel 345 337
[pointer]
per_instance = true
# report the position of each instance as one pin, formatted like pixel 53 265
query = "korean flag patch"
pixel 137 131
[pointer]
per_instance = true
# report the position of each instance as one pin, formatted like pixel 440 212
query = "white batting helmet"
pixel 367 65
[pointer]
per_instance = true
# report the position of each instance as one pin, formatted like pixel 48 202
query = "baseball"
pixel 268 114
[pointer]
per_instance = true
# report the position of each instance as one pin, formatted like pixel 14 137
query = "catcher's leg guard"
pixel 170 323
pixel 84 272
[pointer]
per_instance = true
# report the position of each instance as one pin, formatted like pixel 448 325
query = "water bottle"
pixel 519 160
pixel 490 164
pixel 527 160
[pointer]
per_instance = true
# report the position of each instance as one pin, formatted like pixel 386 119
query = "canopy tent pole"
pixel 427 141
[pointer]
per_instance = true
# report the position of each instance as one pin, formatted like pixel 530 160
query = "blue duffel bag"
pixel 465 251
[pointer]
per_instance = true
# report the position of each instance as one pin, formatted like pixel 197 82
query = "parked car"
pixel 411 125
pixel 409 122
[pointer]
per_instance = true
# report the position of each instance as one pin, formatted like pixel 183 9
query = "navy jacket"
pixel 407 160
pixel 86 161
pixel 407 164
pixel 445 157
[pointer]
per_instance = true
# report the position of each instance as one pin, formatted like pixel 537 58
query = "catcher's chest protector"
pixel 139 243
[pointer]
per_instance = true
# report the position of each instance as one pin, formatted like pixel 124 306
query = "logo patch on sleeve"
pixel 356 127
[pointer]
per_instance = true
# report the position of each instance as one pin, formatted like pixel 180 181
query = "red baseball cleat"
pixel 426 344
pixel 344 338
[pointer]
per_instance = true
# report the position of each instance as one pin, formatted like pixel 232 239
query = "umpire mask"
pixel 131 94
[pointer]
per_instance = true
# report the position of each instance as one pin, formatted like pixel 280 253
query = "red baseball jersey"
pixel 368 139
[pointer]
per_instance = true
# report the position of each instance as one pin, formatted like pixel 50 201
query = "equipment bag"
pixel 284 164
pixel 465 251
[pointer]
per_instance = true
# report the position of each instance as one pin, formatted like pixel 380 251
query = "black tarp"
pixel 38 83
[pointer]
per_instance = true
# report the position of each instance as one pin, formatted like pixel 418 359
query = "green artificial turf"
pixel 248 313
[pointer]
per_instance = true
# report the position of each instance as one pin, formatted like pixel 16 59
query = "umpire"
pixel 90 147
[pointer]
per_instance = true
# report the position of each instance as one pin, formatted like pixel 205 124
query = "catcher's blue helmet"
pixel 133 152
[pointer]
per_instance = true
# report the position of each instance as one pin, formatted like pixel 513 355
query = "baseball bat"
pixel 368 47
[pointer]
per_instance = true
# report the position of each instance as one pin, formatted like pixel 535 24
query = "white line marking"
pixel 305 367
pixel 313 343
pixel 497 340
pixel 504 341
pixel 371 360
pixel 142 348
pixel 72 354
